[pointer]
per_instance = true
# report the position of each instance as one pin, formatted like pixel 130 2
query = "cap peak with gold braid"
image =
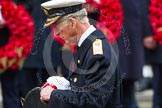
pixel 55 9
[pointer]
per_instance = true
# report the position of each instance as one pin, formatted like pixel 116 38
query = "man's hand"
pixel 46 93
pixel 149 42
pixel 2 25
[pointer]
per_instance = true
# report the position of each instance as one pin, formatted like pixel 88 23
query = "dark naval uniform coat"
pixel 130 43
pixel 94 80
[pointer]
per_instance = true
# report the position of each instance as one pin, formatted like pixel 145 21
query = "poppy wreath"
pixel 156 19
pixel 110 19
pixel 21 28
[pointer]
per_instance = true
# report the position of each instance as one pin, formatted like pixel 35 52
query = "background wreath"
pixel 156 19
pixel 21 28
pixel 110 19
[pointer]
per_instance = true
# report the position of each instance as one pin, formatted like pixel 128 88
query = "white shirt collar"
pixel 86 34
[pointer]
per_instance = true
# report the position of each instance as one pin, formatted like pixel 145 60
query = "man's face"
pixel 65 31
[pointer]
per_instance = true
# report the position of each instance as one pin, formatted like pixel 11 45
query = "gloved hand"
pixel 58 82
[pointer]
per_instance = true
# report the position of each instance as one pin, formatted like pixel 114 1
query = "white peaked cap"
pixel 61 3
pixel 55 9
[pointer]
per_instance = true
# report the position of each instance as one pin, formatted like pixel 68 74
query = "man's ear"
pixel 72 22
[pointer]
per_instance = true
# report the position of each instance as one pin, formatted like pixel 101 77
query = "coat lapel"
pixel 81 51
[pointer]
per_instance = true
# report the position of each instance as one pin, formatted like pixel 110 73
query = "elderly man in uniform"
pixel 94 79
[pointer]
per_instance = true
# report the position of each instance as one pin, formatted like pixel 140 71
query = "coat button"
pixel 75 80
pixel 78 61
pixel 71 79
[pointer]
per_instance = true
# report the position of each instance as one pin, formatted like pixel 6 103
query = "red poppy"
pixel 156 19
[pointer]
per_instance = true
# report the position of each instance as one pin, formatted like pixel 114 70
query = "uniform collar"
pixel 86 34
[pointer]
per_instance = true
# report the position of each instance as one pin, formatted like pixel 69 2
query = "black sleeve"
pixel 147 28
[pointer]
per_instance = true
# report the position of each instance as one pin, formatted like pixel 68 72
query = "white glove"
pixel 60 82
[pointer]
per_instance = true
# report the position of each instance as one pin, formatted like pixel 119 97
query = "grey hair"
pixel 81 16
